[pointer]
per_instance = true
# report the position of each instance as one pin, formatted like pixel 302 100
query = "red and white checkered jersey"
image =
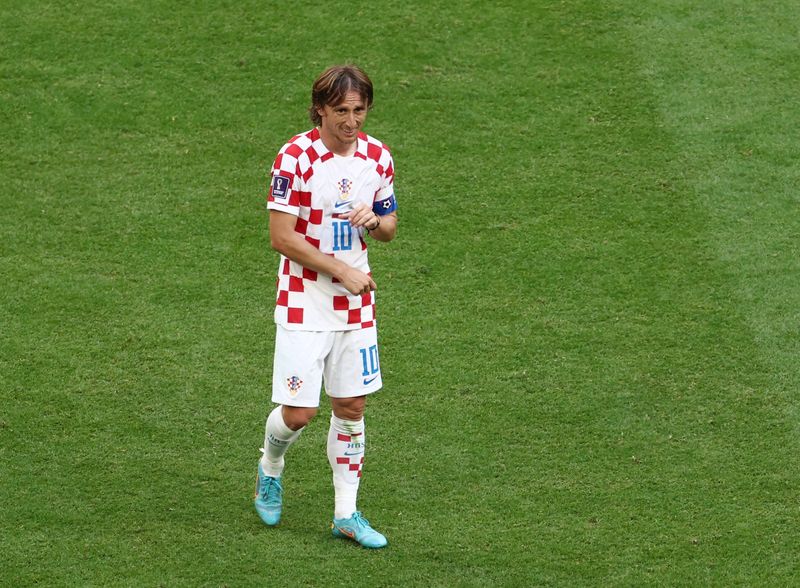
pixel 316 185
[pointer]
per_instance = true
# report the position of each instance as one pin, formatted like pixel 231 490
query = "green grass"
pixel 589 320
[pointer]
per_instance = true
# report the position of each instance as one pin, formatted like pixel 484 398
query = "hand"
pixel 362 216
pixel 356 281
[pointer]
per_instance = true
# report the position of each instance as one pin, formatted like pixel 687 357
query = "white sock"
pixel 277 439
pixel 346 446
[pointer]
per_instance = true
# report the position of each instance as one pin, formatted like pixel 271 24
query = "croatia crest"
pixel 344 186
pixel 294 384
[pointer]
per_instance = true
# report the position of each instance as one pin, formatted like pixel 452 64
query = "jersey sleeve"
pixel 385 201
pixel 285 179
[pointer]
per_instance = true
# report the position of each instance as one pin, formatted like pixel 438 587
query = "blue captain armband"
pixel 385 206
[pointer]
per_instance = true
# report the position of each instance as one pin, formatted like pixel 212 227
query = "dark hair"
pixel 333 84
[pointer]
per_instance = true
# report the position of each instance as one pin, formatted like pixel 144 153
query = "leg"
pixel 284 425
pixel 296 382
pixel 346 445
pixel 297 417
pixel 349 409
pixel 357 374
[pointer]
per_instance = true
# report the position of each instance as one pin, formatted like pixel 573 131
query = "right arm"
pixel 285 240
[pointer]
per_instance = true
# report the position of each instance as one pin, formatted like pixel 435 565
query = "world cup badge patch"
pixel 294 383
pixel 280 187
pixel 344 186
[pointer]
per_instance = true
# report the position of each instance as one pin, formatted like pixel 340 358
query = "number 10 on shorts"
pixel 369 360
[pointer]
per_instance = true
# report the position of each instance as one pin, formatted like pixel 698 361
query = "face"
pixel 341 123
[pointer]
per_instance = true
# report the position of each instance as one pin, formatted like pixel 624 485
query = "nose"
pixel 351 120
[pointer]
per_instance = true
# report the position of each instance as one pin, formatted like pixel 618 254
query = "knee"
pixel 297 417
pixel 350 409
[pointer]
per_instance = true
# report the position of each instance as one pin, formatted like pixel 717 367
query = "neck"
pixel 337 147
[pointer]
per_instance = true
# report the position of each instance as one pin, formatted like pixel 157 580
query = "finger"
pixel 355 219
pixel 358 215
pixel 367 219
pixel 372 284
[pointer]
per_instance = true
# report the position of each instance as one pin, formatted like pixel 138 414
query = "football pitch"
pixel 589 320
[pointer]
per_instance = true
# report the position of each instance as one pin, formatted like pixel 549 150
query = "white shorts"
pixel 347 361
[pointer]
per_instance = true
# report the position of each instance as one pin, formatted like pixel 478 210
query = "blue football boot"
pixel 269 498
pixel 357 528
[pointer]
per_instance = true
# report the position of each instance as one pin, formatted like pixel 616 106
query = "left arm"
pixel 381 228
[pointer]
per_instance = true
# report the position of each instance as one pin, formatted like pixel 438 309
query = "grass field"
pixel 589 320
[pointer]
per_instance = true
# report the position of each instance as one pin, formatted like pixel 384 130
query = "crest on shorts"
pixel 294 383
pixel 344 186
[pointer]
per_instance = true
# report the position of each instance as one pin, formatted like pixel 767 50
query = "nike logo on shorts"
pixel 369 380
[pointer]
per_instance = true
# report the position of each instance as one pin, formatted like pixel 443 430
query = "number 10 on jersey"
pixel 342 235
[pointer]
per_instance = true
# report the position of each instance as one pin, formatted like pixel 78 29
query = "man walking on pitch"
pixel 331 188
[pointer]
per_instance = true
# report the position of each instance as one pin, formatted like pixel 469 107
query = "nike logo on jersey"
pixel 340 204
pixel 369 380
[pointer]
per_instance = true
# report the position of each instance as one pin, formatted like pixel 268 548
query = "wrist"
pixel 375 226
pixel 339 269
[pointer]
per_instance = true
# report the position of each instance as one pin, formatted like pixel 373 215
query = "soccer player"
pixel 331 191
